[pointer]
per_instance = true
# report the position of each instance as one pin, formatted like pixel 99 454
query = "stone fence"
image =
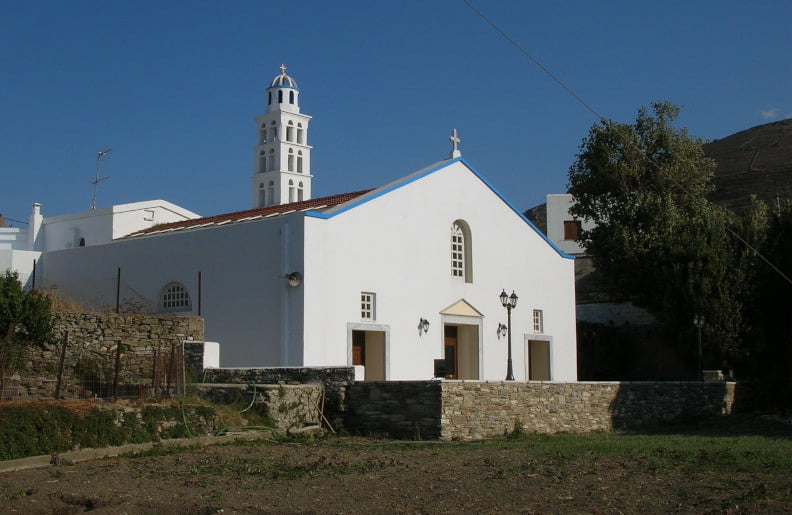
pixel 334 382
pixel 151 345
pixel 474 410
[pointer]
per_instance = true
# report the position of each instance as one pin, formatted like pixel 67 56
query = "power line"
pixel 602 119
pixel 532 58
pixel 17 221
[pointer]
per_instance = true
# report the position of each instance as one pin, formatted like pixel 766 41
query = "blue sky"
pixel 172 87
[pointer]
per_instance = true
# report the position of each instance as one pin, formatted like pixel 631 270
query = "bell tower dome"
pixel 282 157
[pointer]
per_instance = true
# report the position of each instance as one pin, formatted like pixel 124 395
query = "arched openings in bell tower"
pixel 290 131
pixel 282 158
pixel 271 160
pixel 262 162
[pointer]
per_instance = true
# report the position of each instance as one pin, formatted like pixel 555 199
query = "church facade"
pixel 391 279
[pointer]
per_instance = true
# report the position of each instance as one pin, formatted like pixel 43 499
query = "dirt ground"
pixel 356 475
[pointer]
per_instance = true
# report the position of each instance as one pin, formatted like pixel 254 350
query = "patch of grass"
pixel 664 453
pixel 19 494
pixel 160 450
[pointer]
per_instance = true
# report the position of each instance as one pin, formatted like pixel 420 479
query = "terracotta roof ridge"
pixel 255 213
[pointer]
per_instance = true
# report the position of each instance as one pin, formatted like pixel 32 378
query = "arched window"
pixel 269 97
pixel 280 96
pixel 291 160
pixel 273 132
pixel 461 255
pixel 300 192
pixel 300 134
pixel 291 190
pixel 262 194
pixel 262 162
pixel 271 160
pixel 271 192
pixel 263 134
pixel 299 161
pixel 175 297
pixel 291 97
pixel 290 131
pixel 82 240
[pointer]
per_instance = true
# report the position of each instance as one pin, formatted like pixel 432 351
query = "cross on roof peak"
pixel 454 139
pixel 283 69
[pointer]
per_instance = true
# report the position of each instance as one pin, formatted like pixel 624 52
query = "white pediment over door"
pixel 461 308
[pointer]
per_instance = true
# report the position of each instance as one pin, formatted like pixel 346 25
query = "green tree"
pixel 658 241
pixel 771 358
pixel 25 319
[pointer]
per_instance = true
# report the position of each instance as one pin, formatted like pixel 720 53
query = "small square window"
pixel 572 230
pixel 367 305
pixel 538 321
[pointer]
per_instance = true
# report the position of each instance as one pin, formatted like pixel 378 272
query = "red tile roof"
pixel 261 212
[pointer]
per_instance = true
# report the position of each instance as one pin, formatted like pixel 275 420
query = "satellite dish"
pixel 295 279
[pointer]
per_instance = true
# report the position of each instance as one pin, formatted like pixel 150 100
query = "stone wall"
pixel 403 409
pixel 335 381
pixel 285 407
pixel 473 410
pixel 90 359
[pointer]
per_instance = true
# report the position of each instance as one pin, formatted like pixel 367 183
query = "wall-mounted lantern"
pixel 423 325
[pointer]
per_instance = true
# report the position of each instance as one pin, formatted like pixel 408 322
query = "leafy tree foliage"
pixel 772 353
pixel 25 318
pixel 657 239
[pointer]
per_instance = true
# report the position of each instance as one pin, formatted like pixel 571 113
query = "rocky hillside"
pixel 754 161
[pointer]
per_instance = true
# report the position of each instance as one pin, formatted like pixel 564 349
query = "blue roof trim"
pixel 354 204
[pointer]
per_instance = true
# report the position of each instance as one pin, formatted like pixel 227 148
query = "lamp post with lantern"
pixel 509 302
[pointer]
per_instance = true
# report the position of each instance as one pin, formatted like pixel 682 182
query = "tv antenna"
pixel 97 180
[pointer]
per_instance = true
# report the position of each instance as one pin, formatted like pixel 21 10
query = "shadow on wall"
pixel 632 353
pixel 647 405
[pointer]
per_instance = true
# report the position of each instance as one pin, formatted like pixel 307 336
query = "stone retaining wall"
pixel 473 410
pixel 91 353
pixel 400 409
pixel 287 407
pixel 335 381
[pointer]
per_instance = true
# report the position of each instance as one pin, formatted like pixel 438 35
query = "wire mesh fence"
pixel 111 370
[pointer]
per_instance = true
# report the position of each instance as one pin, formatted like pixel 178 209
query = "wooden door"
pixel 451 354
pixel 358 347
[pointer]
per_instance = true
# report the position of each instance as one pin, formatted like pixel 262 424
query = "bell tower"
pixel 282 156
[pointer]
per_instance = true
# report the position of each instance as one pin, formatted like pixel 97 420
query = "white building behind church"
pixel 390 279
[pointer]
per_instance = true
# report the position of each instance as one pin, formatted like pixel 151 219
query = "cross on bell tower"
pixel 282 156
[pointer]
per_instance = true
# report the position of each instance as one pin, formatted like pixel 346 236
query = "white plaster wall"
pixel 103 225
pixel 13 238
pixel 246 303
pixel 129 218
pixel 20 261
pixel 558 206
pixel 65 231
pixel 398 246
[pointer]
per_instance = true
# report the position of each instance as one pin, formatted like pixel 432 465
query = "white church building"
pixel 391 278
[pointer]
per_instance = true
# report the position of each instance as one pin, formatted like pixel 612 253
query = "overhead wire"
pixel 602 119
